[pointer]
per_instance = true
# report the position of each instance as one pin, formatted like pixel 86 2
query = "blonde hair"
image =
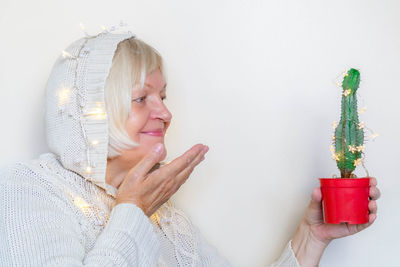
pixel 133 60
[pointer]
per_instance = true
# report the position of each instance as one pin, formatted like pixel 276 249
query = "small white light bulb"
pixel 65 54
pixel 94 142
pixel 88 169
pixel 374 136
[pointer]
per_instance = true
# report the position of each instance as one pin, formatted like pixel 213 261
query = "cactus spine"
pixel 349 134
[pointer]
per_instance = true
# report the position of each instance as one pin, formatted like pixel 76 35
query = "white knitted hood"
pixel 76 122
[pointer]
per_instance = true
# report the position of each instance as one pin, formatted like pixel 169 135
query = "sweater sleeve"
pixel 287 258
pixel 209 255
pixel 36 229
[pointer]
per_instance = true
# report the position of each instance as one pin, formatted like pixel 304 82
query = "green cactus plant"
pixel 349 133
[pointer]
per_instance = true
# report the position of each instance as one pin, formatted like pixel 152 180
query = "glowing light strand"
pixel 361 125
pixel 65 93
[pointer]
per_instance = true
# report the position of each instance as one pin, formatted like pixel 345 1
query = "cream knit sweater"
pixel 51 216
pixel 58 210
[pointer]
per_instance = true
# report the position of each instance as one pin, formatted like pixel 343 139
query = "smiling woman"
pixel 146 125
pixel 129 83
pixel 100 196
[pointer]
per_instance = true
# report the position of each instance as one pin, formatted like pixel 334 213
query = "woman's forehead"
pixel 148 87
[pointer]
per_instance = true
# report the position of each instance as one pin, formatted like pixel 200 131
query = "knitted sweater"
pixel 58 210
pixel 51 216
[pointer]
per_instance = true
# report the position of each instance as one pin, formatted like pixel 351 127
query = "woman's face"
pixel 149 118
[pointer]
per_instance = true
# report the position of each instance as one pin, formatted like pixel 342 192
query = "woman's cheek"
pixel 133 127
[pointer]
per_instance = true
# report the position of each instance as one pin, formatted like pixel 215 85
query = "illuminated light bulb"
pixel 352 149
pixel 374 136
pixel 94 142
pixel 82 26
pixel 347 92
pixel 88 169
pixel 81 203
pixel 360 148
pixel 336 157
pixel 357 162
pixel 63 96
pixel 339 84
pixel 361 125
pixel 334 125
pixel 333 137
pixel 65 54
pixel 362 110
pixel 97 113
pixel 332 149
pixel 83 29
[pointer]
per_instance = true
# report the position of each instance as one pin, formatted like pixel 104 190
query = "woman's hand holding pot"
pixel 313 235
pixel 149 191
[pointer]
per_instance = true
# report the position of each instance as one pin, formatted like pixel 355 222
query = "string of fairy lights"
pixel 97 112
pixel 360 125
pixel 94 110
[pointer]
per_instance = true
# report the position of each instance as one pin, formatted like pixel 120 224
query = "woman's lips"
pixel 154 133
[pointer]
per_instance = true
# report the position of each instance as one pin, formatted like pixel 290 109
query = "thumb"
pixel 316 198
pixel 314 211
pixel 154 156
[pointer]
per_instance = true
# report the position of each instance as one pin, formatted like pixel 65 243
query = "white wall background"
pixel 254 80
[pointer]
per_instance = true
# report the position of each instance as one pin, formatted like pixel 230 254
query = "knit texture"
pixel 51 216
pixel 57 210
pixel 75 118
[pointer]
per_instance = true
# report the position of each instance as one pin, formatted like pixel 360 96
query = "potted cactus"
pixel 345 199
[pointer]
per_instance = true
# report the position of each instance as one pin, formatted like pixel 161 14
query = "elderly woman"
pixel 101 196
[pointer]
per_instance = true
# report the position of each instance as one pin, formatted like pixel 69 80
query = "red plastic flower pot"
pixel 345 200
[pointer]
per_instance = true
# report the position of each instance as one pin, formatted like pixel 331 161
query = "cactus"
pixel 349 133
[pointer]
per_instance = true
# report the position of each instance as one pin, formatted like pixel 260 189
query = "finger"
pixel 373 208
pixel 167 185
pixel 372 218
pixel 163 183
pixel 144 166
pixel 373 181
pixel 185 173
pixel 374 193
pixel 180 163
pixel 316 198
pixel 182 176
pixel 171 184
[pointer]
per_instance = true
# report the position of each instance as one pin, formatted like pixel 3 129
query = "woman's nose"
pixel 161 111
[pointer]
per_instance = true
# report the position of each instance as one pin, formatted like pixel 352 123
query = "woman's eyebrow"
pixel 163 88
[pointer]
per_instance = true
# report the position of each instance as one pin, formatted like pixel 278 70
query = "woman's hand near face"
pixel 313 235
pixel 149 191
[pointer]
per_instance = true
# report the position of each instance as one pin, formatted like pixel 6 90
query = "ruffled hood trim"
pixel 75 117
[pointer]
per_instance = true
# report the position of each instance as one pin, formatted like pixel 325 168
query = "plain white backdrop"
pixel 254 80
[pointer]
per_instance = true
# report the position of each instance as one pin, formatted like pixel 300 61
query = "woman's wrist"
pixel 307 249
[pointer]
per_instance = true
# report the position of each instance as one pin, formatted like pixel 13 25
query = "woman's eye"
pixel 139 100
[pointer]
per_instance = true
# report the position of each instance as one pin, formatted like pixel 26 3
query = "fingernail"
pixel 158 148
